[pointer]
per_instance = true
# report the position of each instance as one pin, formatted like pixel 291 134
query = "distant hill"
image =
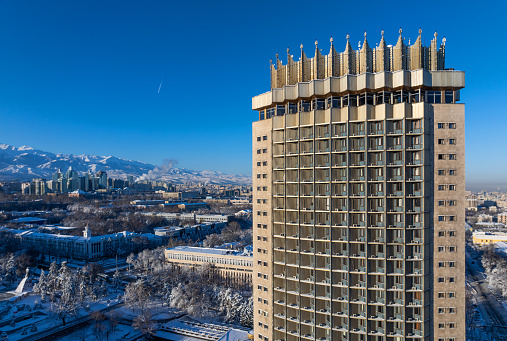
pixel 25 163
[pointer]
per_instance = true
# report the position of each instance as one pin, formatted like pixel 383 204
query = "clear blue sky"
pixel 82 76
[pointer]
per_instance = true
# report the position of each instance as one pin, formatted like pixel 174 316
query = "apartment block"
pixel 359 196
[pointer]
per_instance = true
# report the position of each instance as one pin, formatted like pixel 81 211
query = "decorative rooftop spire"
pixel 365 43
pixel 354 62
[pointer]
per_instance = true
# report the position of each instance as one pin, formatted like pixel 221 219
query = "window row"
pixel 448 233
pixel 447 294
pixel 352 129
pixel 446 187
pixel 264 138
pixel 264 163
pixel 447 248
pixel 446 156
pixel 442 125
pixel 447 203
pixel 446 141
pixel 446 280
pixel 446 172
pixel 450 310
pixel 446 218
pixel 354 100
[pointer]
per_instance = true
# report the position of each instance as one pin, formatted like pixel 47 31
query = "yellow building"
pixel 486 238
pixel 235 267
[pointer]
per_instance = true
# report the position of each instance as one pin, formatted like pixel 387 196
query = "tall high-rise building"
pixel 358 179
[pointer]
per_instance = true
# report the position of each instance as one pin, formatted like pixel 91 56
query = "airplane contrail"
pixel 160 86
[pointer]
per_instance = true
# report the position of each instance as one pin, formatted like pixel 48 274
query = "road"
pixel 492 311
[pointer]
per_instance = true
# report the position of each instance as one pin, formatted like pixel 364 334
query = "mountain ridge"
pixel 26 163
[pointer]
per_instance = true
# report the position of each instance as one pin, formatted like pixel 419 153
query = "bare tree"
pixel 144 323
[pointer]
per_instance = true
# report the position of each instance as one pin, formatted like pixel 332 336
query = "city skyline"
pixel 117 76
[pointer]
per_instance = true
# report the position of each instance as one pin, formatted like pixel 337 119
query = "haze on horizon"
pixel 149 81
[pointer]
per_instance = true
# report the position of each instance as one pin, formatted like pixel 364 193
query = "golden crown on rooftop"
pixel 353 62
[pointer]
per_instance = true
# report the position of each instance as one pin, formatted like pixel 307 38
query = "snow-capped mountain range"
pixel 26 163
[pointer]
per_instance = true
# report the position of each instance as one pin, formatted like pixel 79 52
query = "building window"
pixel 441 264
pixel 452 187
pixel 258 151
pixel 258 164
pixel 265 150
pixel 452 141
pixel 452 156
pixel 441 295
pixel 441 187
pixel 265 138
pixel 441 203
pixel 451 279
pixel 258 176
pixel 441 125
pixel 452 172
pixel 452 125
pixel 452 295
pixel 452 218
pixel 441 233
pixel 441 141
pixel 452 202
pixel 441 280
pixel 452 325
pixel 452 248
pixel 441 249
pixel 441 172
pixel 452 264
pixel 441 325
pixel 452 233
pixel 264 163
pixel 441 310
pixel 258 138
pixel 441 156
pixel 452 310
pixel 441 218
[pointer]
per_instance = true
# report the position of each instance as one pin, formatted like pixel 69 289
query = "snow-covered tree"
pixel 137 295
pixel 131 260
pixel 10 270
pixel 192 298
pixel 41 287
pixel 117 281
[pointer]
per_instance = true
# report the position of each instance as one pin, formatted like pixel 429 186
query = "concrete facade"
pixel 359 198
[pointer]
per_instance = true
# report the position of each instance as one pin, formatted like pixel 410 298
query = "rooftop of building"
pixel 210 251
pixel 187 329
pixel 382 58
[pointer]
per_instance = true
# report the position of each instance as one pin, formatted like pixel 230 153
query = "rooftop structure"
pixel 382 58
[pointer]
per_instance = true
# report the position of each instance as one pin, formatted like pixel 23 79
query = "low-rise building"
pixel 198 218
pixel 234 266
pixel 486 238
pixel 86 248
